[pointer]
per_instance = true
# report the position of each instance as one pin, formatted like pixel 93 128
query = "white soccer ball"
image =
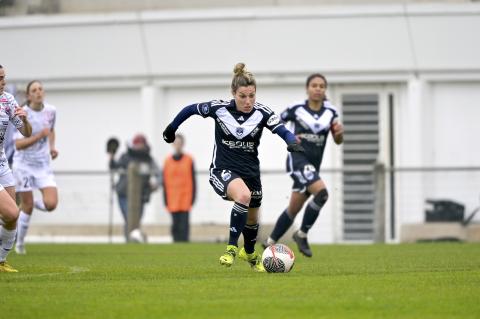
pixel 278 258
pixel 136 236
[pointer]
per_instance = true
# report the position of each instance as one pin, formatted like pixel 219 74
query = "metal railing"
pixel 400 195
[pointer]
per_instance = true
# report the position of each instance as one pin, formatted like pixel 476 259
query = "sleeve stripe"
pixel 273 129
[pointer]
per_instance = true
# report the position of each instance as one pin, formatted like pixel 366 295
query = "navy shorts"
pixel 303 174
pixel 220 178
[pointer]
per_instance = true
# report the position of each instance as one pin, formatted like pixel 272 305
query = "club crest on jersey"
pixel 308 172
pixel 205 109
pixel 226 175
pixel 239 131
pixel 273 120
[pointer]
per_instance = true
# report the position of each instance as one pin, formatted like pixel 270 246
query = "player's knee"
pixel 10 215
pixel 321 197
pixel 244 198
pixel 50 205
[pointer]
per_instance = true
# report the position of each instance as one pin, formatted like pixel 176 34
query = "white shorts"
pixel 28 179
pixel 6 180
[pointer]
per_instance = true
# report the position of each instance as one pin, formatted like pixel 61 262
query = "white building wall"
pixel 449 126
pixel 118 74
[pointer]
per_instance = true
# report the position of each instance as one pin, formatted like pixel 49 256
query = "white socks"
pixel 270 241
pixel 39 204
pixel 22 225
pixel 7 238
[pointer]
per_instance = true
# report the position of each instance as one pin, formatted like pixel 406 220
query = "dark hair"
pixel 1 67
pixel 27 90
pixel 316 75
pixel 241 77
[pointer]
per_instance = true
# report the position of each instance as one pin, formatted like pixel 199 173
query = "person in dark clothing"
pixel 235 167
pixel 137 150
pixel 179 189
pixel 312 121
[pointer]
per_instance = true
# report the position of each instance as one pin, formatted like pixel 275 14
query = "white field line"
pixel 71 271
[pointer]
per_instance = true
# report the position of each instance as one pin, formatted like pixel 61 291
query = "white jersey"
pixel 7 111
pixel 37 154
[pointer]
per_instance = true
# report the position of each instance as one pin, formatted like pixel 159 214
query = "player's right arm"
pixel 26 128
pixel 18 117
pixel 23 143
pixel 202 109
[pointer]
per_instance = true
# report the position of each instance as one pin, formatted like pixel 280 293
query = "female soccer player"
pixel 235 172
pixel 9 112
pixel 312 120
pixel 31 161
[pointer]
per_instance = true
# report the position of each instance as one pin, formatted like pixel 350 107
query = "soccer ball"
pixel 278 258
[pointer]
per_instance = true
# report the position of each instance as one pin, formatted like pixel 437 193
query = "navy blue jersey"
pixel 237 134
pixel 312 128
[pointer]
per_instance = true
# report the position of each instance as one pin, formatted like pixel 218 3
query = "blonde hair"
pixel 241 77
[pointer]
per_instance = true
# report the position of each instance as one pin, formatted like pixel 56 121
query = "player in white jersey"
pixel 9 112
pixel 31 161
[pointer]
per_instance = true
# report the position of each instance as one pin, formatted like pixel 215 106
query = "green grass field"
pixel 186 281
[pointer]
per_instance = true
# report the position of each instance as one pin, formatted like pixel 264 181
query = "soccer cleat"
pixel 228 257
pixel 4 267
pixel 20 250
pixel 302 244
pixel 254 259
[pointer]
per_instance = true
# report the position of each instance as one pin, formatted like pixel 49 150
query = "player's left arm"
pixel 276 126
pixel 52 135
pixel 336 127
pixel 337 131
pixel 51 142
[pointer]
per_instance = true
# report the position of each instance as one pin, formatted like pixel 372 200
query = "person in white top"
pixel 9 112
pixel 31 161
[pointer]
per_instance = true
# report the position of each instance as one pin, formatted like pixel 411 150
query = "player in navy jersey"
pixel 235 172
pixel 312 120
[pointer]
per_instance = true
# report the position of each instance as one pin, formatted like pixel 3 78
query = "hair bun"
pixel 239 68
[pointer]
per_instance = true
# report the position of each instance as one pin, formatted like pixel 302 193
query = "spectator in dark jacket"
pixel 137 150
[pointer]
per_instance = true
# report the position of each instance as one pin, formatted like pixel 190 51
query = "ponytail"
pixel 241 77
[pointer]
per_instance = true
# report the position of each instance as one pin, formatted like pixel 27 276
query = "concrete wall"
pixel 118 74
